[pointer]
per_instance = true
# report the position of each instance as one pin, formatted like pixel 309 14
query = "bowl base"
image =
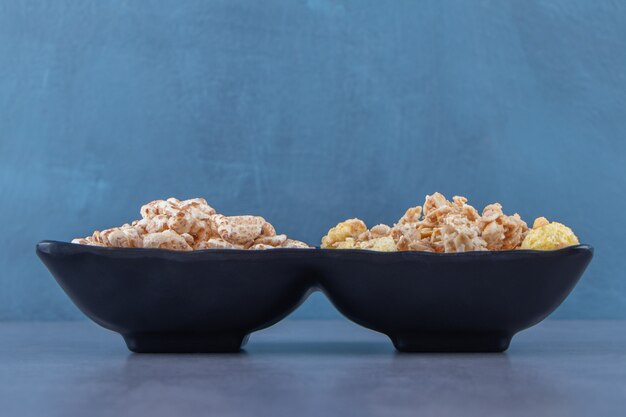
pixel 184 342
pixel 431 342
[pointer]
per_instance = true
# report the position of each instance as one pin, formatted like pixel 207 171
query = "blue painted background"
pixel 309 112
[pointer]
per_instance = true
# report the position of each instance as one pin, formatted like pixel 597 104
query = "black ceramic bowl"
pixel 455 302
pixel 166 301
pixel 211 300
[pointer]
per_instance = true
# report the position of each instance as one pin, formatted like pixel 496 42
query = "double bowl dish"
pixel 211 300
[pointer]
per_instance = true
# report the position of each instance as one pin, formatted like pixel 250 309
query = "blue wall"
pixel 309 112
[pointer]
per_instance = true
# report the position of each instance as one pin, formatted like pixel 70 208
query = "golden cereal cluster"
pixel 549 236
pixel 191 225
pixel 442 226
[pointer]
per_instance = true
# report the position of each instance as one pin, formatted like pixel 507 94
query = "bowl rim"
pixel 59 247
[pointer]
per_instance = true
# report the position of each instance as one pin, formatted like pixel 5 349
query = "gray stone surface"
pixel 313 368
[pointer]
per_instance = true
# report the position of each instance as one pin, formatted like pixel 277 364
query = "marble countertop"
pixel 312 368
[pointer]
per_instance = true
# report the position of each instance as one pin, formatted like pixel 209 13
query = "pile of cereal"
pixel 444 226
pixel 191 225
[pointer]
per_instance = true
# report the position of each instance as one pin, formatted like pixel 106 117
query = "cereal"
pixel 380 244
pixel 157 223
pixel 549 236
pixel 413 232
pixel 351 228
pixel 86 241
pixel 277 240
pixel 261 246
pixel 217 244
pixel 412 215
pixel 268 230
pixel 167 239
pixel 239 229
pixel 349 243
pixel 440 225
pixel 501 232
pixel 460 234
pixel 380 230
pixel 407 244
pixel 294 244
pixel 353 234
pixel 190 225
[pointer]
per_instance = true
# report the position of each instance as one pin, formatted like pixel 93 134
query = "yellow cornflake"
pixel 549 236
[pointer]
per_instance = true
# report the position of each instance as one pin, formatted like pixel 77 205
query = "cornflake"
pixel 438 225
pixel 353 234
pixel 547 235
